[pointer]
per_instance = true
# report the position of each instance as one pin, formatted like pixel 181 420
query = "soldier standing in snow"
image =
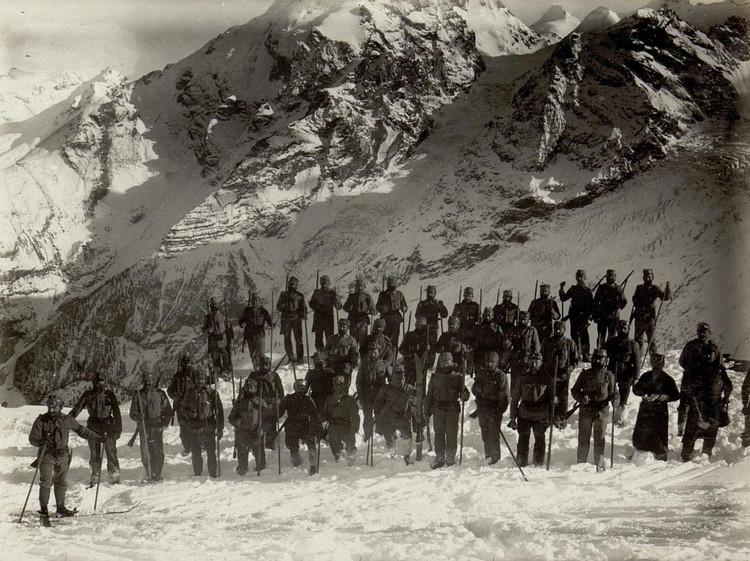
pixel 246 419
pixel 343 352
pixel 359 306
pixel 392 307
pixel 708 399
pixel 394 407
pixel 581 309
pixel 559 352
pixel 625 361
pixel 322 303
pixel 104 419
pixel 468 313
pixel 415 344
pixel 150 407
pixel 656 388
pixel 505 314
pixel 488 338
pixel 608 301
pixel 301 424
pixel 432 310
pixel 594 389
pixel 692 363
pixel 254 320
pixel 50 433
pixel 371 376
pixel 291 305
pixel 644 310
pixel 272 389
pixel 217 329
pixel 202 409
pixel 529 409
pixel 319 380
pixel 176 391
pixel 341 421
pixel 445 389
pixel 543 311
pixel 526 343
pixel 491 391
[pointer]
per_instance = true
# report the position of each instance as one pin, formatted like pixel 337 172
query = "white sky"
pixel 137 36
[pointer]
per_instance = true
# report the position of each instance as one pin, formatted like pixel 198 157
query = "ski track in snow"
pixel 640 509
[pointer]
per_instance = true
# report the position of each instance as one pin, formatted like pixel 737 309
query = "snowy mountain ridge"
pixel 267 152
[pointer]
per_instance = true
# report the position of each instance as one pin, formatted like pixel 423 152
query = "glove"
pixel 440 303
pixel 513 425
pixel 662 397
pixel 585 399
pixel 562 284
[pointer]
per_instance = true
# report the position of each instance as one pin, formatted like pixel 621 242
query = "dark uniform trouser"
pixel 185 431
pixel 645 335
pixel 445 424
pixel 339 437
pixel 606 329
pixel 155 438
pixel 368 417
pixel 561 391
pixel 291 439
pixel 53 470
pixel 490 423
pixel 95 448
pixel 324 327
pixel 693 433
pixel 525 426
pixel 585 426
pixel 746 433
pixel 391 425
pixel 248 441
pixel 296 328
pixel 624 384
pixel 256 346
pixel 579 333
pixel 204 439
pixel 393 329
pixel 219 356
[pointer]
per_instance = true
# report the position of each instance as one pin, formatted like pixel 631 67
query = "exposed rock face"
pixel 613 102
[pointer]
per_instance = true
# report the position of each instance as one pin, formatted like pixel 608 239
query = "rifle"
pixel 460 293
pixel 278 430
pixel 552 409
pixel 480 305
pixel 612 440
pixel 243 335
pixel 273 309
pixel 260 431
pixel 512 455
pixel 648 339
pixel 131 442
pixel 536 287
pixel 497 300
pixel 317 278
pixel 461 448
pixel 234 450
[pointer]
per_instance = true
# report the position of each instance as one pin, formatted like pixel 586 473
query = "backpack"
pixel 197 404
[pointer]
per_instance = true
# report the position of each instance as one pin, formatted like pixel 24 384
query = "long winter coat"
pixel 651 432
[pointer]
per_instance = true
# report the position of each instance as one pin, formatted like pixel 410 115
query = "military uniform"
pixel 446 387
pixel 343 355
pixel 323 302
pixel 254 320
pixel 301 424
pixel 392 307
pixel 581 309
pixel 151 405
pixel 491 391
pixel 530 405
pixel 359 306
pixel 291 305
pixel 342 415
pixel 644 313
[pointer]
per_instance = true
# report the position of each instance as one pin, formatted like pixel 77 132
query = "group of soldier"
pixel 520 360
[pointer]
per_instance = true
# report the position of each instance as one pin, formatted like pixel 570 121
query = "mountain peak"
pixel 598 20
pixel 555 24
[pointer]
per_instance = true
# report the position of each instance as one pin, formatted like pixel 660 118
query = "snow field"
pixel 393 511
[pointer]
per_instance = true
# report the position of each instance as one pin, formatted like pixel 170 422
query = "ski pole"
pixel 278 432
pixel 33 479
pixel 307 344
pixel 612 441
pixel 512 455
pixel 270 351
pixel 536 287
pixel 99 448
pixel 461 448
pixel 317 457
pixel 260 431
pixel 497 300
pixel 218 428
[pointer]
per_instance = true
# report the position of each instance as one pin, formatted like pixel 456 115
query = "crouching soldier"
pixel 657 389
pixel 204 414
pixel 301 424
pixel 530 406
pixel 491 391
pixel 150 408
pixel 594 389
pixel 394 409
pixel 105 419
pixel 445 389
pixel 246 418
pixel 50 433
pixel 341 421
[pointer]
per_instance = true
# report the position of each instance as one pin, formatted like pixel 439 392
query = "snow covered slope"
pixel 639 509
pixel 325 138
pixel 555 24
pixel 703 14
pixel 598 20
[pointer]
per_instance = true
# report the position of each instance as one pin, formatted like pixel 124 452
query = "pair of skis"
pixel 46 522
